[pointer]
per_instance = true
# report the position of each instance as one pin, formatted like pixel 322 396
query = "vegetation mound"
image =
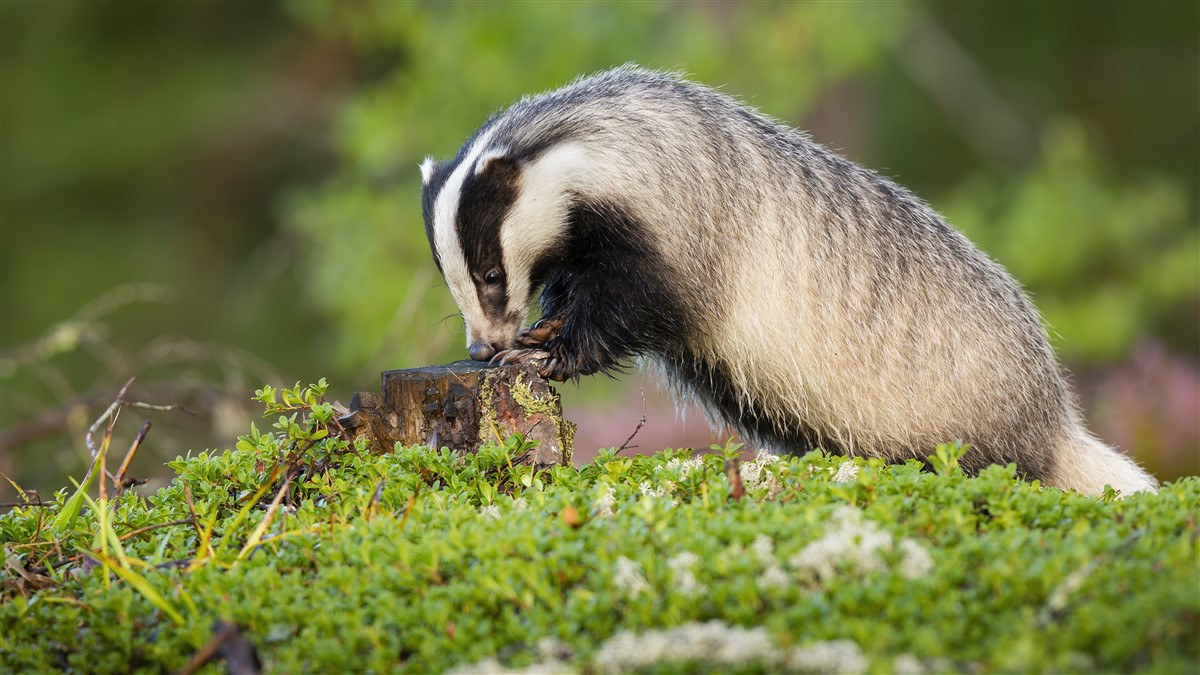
pixel 319 556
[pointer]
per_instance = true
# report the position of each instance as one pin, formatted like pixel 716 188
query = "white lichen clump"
pixel 717 644
pixel 773 577
pixel 649 490
pixel 685 466
pixel 494 667
pixel 847 472
pixel 773 574
pixel 907 664
pixel 835 656
pixel 915 561
pixel 764 549
pixel 603 506
pixel 629 578
pixel 757 474
pixel 858 545
pixel 682 572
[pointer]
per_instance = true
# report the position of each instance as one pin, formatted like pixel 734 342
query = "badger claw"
pixel 542 331
pixel 552 370
pixel 530 347
pixel 520 356
pixel 547 366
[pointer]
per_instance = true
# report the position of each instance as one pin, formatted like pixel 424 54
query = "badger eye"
pixel 493 277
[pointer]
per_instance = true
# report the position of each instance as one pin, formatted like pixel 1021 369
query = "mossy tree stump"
pixel 460 406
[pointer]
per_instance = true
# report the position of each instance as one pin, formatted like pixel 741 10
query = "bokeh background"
pixel 210 196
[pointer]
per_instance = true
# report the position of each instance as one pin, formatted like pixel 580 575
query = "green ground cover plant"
pixel 328 557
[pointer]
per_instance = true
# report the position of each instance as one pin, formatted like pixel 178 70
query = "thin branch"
pixel 119 480
pixel 102 460
pixel 733 473
pixel 104 417
pixel 224 631
pixel 110 415
pixel 160 408
pixel 54 420
pixel 80 328
pixel 191 504
pixel 641 423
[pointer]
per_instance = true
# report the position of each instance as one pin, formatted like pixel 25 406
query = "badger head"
pixel 497 222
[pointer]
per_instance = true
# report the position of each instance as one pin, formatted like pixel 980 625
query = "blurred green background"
pixel 214 195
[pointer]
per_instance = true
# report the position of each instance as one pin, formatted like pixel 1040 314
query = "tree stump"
pixel 460 406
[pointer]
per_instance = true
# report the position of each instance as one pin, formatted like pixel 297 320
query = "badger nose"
pixel 481 351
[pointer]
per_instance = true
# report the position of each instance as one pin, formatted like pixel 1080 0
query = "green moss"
pixel 550 406
pixel 426 561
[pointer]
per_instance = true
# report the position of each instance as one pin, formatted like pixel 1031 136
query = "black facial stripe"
pixel 429 195
pixel 485 201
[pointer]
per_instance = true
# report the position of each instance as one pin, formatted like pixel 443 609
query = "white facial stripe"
pixel 426 170
pixel 450 252
pixel 538 218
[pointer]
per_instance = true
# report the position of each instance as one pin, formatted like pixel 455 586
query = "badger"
pixel 802 300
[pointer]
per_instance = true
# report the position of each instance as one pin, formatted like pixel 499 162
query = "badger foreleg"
pixel 561 349
pixel 597 316
pixel 542 345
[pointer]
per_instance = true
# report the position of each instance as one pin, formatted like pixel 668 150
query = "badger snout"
pixel 486 339
pixel 482 351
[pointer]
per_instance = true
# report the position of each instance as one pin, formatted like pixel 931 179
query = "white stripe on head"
pixel 538 217
pixel 449 249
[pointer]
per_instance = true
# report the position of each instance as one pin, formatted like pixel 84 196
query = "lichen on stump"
pixel 460 406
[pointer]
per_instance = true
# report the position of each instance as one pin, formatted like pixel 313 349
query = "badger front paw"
pixel 553 351
pixel 544 362
pixel 542 331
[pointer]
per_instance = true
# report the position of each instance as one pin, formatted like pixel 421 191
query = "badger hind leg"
pixel 1084 464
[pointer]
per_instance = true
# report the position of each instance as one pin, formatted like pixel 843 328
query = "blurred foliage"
pixel 1106 262
pixel 261 162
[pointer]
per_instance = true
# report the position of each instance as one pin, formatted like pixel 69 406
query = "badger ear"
pixel 427 169
pixel 491 157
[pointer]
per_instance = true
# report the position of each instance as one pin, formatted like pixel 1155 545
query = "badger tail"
pixel 1086 465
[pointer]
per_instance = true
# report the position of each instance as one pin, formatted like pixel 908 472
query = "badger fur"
pixel 803 300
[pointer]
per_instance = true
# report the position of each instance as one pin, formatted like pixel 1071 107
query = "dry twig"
pixel 119 481
pixel 641 423
pixel 734 474
pixel 110 416
pixel 227 641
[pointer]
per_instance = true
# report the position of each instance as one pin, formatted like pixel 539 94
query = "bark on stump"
pixel 460 406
